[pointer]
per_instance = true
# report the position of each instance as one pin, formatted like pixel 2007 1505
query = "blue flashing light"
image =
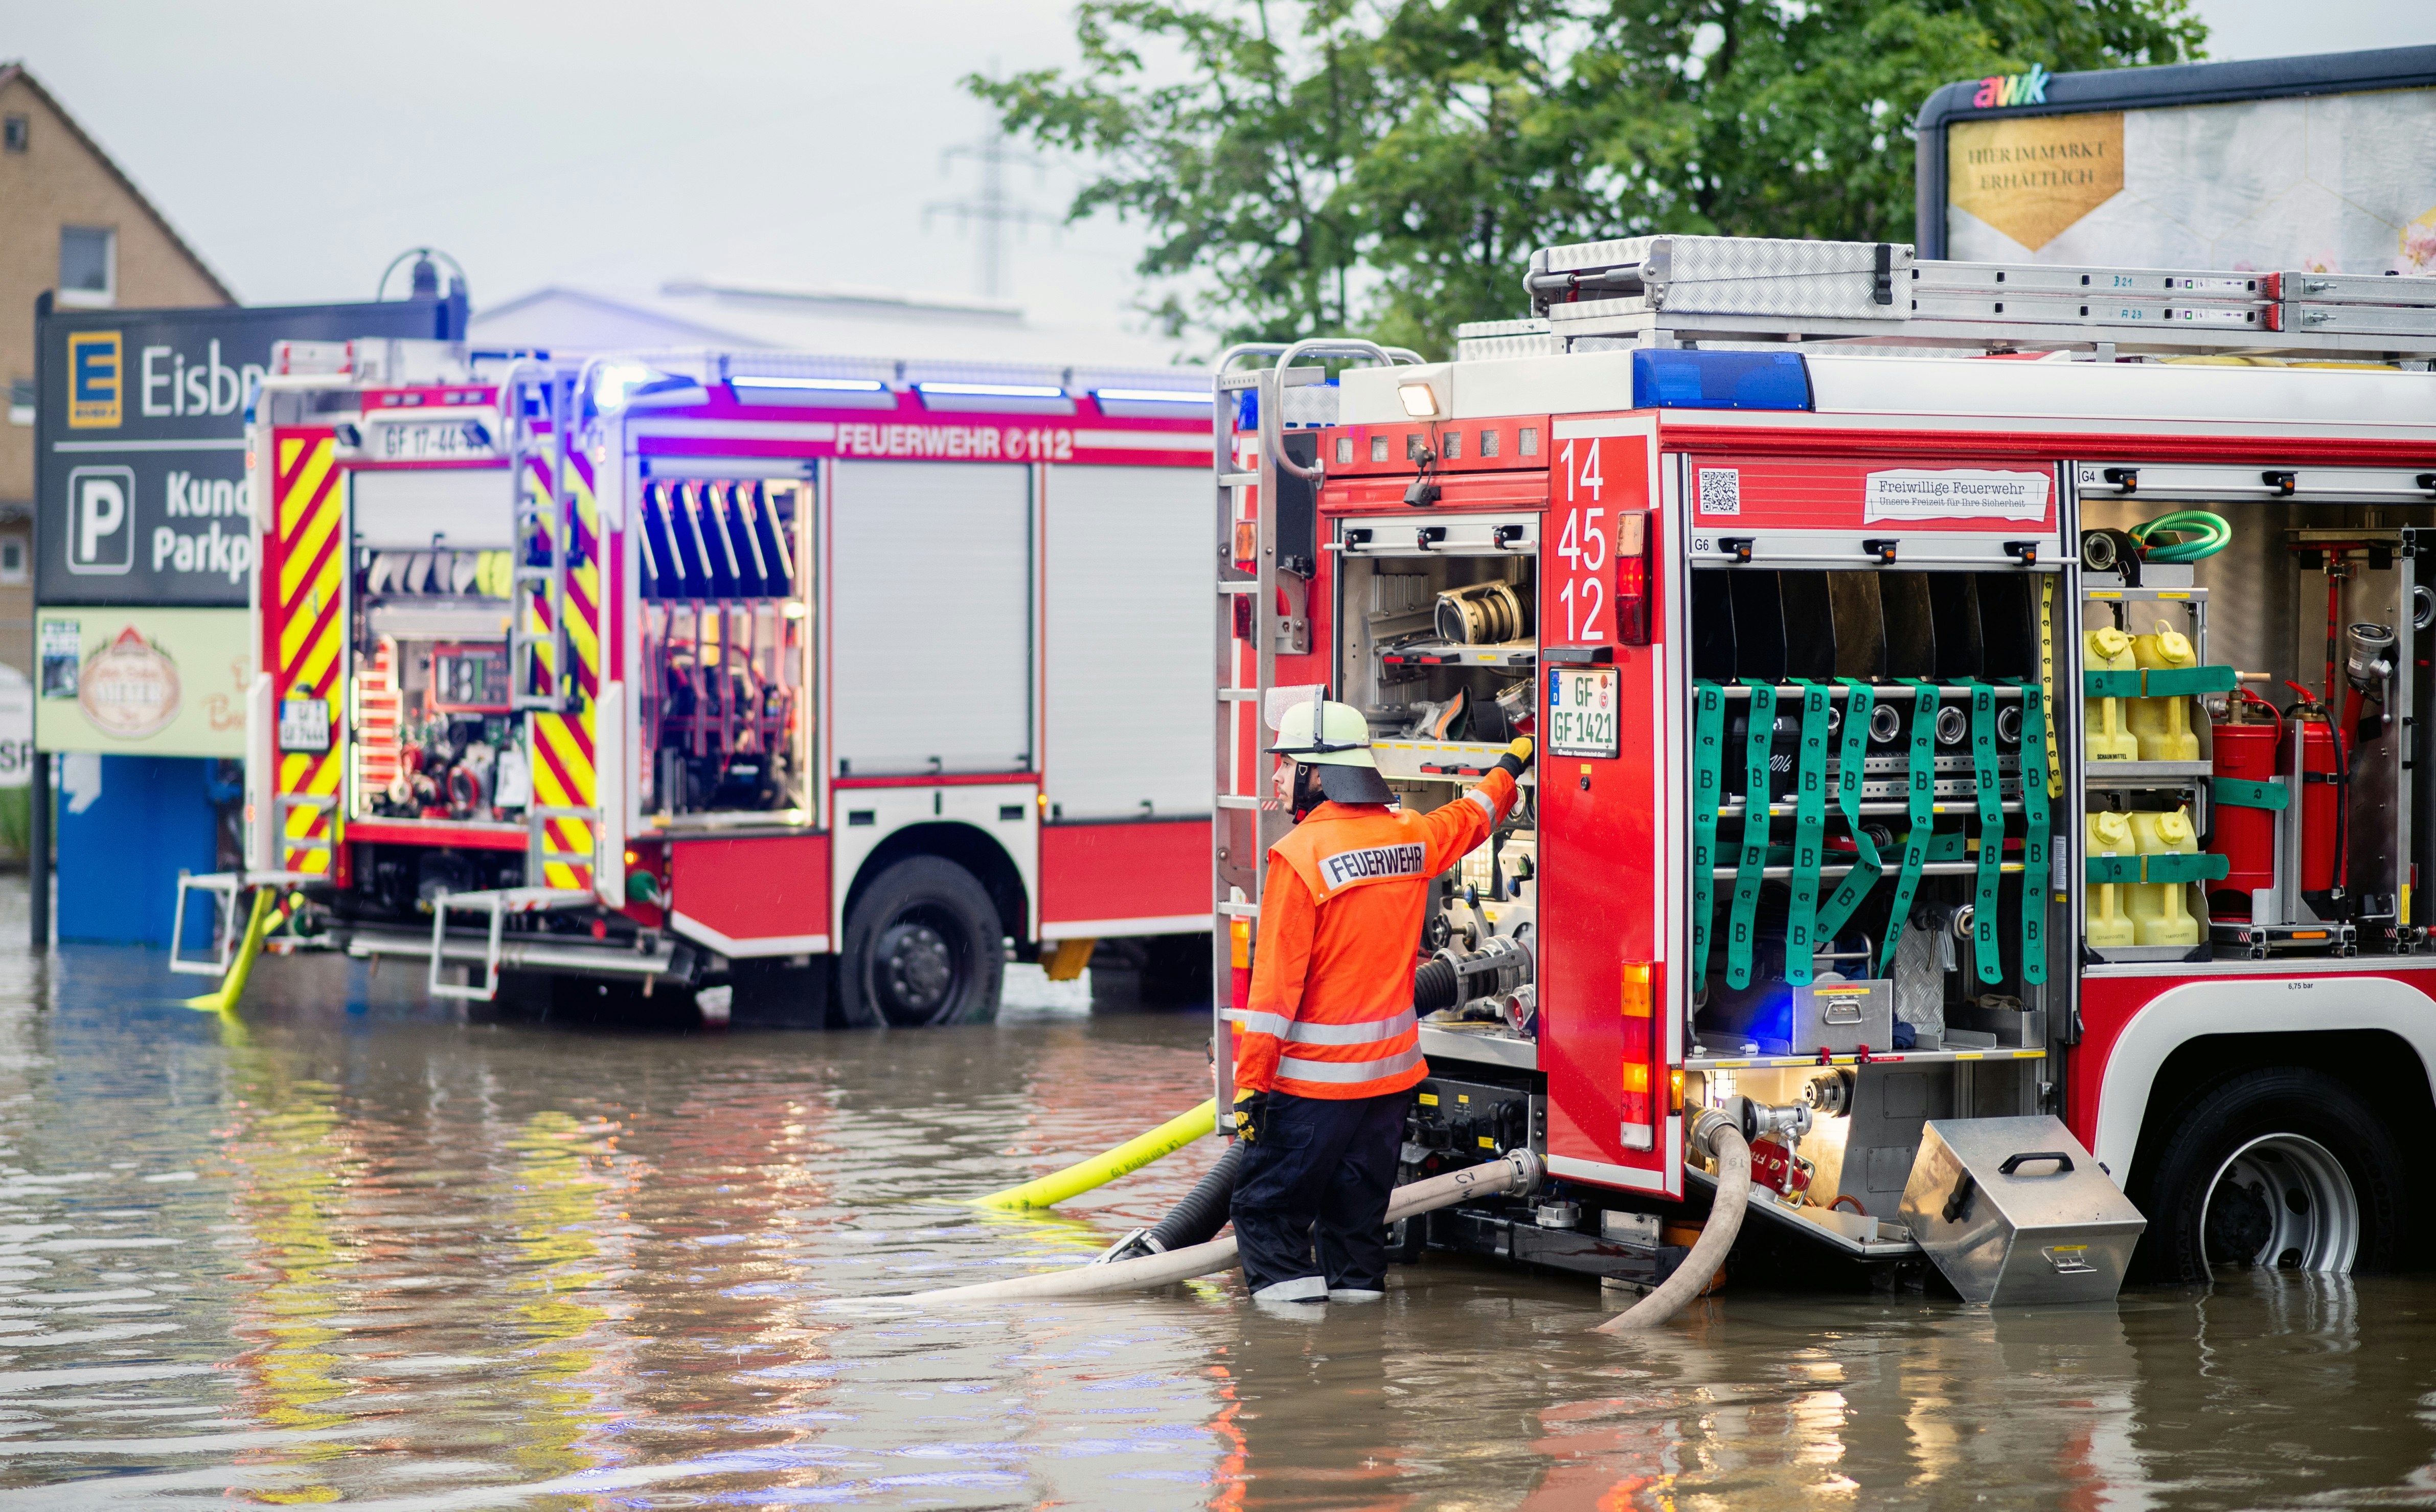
pixel 995 391
pixel 1665 378
pixel 1154 396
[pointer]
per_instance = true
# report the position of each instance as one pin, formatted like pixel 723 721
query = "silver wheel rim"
pixel 2282 1200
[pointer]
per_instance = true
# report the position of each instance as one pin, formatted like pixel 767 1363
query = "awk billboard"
pixel 140 427
pixel 2314 163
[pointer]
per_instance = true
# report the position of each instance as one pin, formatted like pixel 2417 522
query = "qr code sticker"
pixel 1721 491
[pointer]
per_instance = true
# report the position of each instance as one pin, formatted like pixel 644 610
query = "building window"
pixel 15 133
pixel 12 558
pixel 20 400
pixel 88 266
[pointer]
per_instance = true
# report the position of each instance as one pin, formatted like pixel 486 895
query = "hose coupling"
pixel 1137 1245
pixel 1758 1121
pixel 1707 1126
pixel 1528 1171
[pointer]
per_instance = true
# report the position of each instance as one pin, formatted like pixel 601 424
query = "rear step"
pixel 497 902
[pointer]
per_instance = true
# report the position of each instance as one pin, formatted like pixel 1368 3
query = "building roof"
pixel 15 73
pixel 844 322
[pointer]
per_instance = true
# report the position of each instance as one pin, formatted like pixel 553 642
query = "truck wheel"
pixel 2283 1166
pixel 923 946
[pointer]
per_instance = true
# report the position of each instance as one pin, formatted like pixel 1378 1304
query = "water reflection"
pixel 350 1249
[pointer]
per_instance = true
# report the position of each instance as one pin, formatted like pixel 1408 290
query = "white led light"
pixel 1420 402
pixel 1152 396
pixel 615 380
pixel 815 385
pixel 995 391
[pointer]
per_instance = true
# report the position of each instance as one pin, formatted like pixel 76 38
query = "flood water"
pixel 345 1248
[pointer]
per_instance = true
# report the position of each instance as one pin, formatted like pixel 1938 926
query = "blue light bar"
pixel 814 385
pixel 994 390
pixel 1152 396
pixel 1664 379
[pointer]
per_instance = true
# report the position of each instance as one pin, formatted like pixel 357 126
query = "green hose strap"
pixel 1707 790
pixel 1984 938
pixel 1868 866
pixel 1922 806
pixel 1809 835
pixel 1759 735
pixel 2242 793
pixel 2035 836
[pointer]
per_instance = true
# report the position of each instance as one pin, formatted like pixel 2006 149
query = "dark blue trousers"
pixel 1312 1197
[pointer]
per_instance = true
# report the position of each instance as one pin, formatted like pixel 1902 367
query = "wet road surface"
pixel 347 1247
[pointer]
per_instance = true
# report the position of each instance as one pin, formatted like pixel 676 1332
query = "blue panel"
pixel 1668 378
pixel 120 850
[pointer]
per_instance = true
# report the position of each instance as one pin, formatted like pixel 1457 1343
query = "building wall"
pixel 59 180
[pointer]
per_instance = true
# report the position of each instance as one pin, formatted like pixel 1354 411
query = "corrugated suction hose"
pixel 1517 1172
pixel 1715 1133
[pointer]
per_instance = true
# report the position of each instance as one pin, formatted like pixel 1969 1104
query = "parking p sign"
pixel 1581 712
pixel 101 520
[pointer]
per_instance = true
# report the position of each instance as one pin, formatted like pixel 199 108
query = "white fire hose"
pixel 1518 1170
pixel 1715 1133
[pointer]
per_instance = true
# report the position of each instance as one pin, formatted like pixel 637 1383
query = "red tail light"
pixel 1632 577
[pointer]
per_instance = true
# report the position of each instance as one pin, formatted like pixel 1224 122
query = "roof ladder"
pixel 1665 290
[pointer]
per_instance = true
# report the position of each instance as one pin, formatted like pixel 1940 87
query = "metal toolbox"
pixel 2014 1211
pixel 1842 1016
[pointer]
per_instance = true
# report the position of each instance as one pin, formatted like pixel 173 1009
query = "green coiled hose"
pixel 2213 536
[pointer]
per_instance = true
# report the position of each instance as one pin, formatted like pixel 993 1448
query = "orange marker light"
pixel 1634 1071
pixel 1636 989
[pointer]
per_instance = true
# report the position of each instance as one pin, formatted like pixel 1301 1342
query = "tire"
pixel 2213 1200
pixel 923 946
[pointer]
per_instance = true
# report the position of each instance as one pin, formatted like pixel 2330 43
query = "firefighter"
pixel 1328 1043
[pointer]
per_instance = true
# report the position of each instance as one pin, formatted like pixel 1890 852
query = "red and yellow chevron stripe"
pixel 563 774
pixel 304 582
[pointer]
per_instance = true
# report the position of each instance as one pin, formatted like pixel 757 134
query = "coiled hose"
pixel 2214 534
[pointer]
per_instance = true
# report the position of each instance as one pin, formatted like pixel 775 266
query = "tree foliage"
pixel 1387 165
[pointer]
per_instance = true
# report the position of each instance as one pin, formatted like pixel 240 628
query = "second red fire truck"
pixel 681 671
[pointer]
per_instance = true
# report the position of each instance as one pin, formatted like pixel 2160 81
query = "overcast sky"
pixel 615 144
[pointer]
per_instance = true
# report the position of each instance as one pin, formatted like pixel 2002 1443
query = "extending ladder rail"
pixel 1669 289
pixel 1244 820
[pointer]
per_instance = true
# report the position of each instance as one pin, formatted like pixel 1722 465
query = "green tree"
pixel 1389 166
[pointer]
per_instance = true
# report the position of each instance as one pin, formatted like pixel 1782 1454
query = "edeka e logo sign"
pixel 2012 89
pixel 95 380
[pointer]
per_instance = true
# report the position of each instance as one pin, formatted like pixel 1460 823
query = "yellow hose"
pixel 223 998
pixel 1135 1152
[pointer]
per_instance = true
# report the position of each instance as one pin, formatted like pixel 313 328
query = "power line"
pixel 992 209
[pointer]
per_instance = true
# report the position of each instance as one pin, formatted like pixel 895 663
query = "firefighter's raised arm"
pixel 1456 827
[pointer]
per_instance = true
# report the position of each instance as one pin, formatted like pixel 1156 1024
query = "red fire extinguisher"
pixel 2249 748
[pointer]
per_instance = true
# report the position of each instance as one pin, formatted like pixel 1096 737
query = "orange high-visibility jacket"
pixel 1331 1013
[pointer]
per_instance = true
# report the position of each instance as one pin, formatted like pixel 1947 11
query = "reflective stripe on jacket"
pixel 1330 1013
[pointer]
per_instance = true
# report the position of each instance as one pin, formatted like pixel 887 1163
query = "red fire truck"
pixel 1980 714
pixel 666 668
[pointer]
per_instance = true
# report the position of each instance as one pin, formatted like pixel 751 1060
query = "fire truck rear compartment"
pixel 727 612
pixel 1438 650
